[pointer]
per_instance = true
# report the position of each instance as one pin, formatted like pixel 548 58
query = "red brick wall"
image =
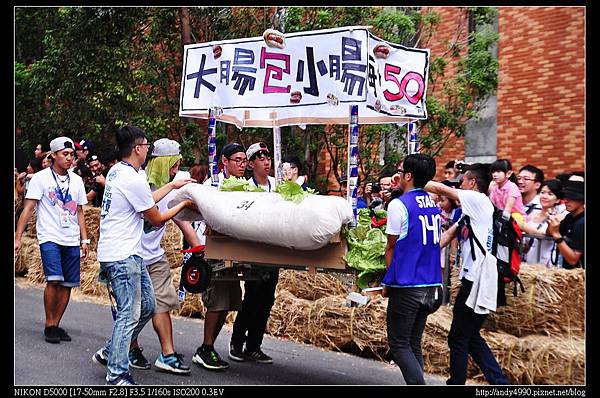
pixel 541 89
pixel 453 26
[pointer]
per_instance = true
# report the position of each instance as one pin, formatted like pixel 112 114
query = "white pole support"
pixel 353 160
pixel 212 149
pixel 277 152
pixel 413 143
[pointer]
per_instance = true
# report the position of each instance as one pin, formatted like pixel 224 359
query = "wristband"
pixel 86 241
pixel 559 240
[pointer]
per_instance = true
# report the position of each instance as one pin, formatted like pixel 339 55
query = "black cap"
pixel 232 148
pixel 574 190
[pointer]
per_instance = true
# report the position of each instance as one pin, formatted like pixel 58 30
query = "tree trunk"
pixel 184 19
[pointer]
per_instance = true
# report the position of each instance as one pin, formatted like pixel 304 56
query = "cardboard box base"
pixel 329 257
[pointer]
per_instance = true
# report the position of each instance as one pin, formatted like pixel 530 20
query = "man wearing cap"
pixel 82 150
pixel 569 234
pixel 259 296
pixel 58 195
pixel 160 170
pixel 94 195
pixel 127 196
pixel 222 296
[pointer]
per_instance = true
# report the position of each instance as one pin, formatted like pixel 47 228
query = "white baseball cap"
pixel 166 147
pixel 60 143
pixel 254 148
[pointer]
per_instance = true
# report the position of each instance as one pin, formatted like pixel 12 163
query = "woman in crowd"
pixel 536 223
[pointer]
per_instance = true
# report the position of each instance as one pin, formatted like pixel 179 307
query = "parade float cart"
pixel 343 75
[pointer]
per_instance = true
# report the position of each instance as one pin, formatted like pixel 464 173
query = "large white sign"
pixel 310 80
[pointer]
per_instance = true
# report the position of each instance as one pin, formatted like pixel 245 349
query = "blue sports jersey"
pixel 416 259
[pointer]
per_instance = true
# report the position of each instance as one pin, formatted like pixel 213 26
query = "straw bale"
pixel 28 256
pixel 553 304
pixel 90 286
pixel 92 225
pixel 289 317
pixel 310 286
pixel 436 354
pixel 539 359
pixel 31 231
pixel 172 242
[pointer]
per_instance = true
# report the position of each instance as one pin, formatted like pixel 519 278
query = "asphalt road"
pixel 37 362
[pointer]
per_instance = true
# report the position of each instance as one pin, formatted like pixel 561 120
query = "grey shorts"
pixel 223 296
pixel 164 291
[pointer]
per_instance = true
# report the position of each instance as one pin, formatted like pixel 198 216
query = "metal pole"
pixel 413 144
pixel 353 159
pixel 212 148
pixel 277 151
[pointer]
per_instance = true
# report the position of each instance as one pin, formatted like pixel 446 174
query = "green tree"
pixel 86 71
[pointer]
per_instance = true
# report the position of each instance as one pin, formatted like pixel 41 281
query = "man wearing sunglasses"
pixel 58 195
pixel 221 296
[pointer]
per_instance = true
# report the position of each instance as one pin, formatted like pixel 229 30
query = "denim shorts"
pixel 61 263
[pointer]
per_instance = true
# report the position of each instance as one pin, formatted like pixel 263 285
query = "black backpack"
pixel 506 247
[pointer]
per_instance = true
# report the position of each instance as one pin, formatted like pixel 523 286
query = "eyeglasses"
pixel 239 160
pixel 149 145
pixel 519 178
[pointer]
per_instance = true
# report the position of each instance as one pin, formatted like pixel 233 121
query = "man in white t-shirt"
pixel 259 296
pixel 464 338
pixel 58 195
pixel 160 170
pixel 127 201
pixel 221 296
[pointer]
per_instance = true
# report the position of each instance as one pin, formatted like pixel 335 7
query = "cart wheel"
pixel 196 274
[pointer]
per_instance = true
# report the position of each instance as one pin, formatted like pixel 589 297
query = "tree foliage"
pixel 84 71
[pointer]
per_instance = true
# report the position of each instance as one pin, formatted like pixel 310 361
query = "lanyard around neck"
pixel 268 183
pixel 129 164
pixel 68 181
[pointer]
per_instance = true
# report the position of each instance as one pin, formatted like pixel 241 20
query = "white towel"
pixel 483 295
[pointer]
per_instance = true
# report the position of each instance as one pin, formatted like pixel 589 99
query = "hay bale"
pixel 90 285
pixel 310 286
pixel 172 242
pixel 31 230
pixel 92 225
pixel 289 317
pixel 539 359
pixel 552 305
pixel 28 256
pixel 436 353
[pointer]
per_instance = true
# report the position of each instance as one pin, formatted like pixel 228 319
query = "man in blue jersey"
pixel 413 278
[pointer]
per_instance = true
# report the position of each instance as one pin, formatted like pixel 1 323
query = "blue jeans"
pixel 134 297
pixel 407 313
pixel 464 340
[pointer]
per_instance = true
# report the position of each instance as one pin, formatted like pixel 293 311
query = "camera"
pixel 375 187
pixel 461 167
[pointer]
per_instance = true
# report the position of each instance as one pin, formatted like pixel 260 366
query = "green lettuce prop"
pixel 366 248
pixel 289 190
pixel 238 184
